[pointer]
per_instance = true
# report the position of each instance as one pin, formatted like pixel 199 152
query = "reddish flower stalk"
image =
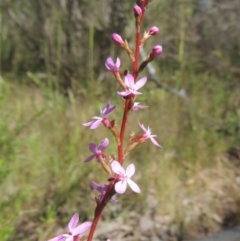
pixel 137 45
pixel 124 122
pixel 127 107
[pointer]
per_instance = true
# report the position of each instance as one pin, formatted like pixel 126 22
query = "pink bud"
pixel 156 51
pixel 106 122
pixel 137 10
pixel 153 31
pixel 117 39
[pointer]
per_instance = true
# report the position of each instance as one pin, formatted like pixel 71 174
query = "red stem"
pixel 110 192
pixel 124 122
pixel 137 47
pixel 136 56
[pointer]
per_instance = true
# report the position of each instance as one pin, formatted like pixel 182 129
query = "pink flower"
pixel 147 135
pixel 102 190
pixel 124 178
pixel 132 87
pixel 156 51
pixel 73 231
pixel 137 10
pixel 97 150
pixel 136 106
pixel 117 39
pixel 113 67
pixel 153 31
pixel 97 120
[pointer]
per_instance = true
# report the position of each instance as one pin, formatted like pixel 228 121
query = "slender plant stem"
pixel 136 56
pixel 124 122
pixel 109 193
pixel 137 47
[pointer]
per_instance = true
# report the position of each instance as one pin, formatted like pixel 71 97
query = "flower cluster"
pixel 118 177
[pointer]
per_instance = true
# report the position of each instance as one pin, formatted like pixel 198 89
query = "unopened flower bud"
pixel 137 10
pixel 117 39
pixel 106 122
pixel 156 51
pixel 153 31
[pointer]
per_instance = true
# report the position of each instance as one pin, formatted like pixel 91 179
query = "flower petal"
pixel 130 170
pixel 82 228
pixel 106 107
pixel 61 237
pixel 142 126
pixel 103 144
pixel 109 64
pixel 95 185
pixel 118 63
pixel 96 124
pixel 124 93
pixel 92 147
pixel 154 142
pixel 142 106
pixel 113 67
pixel 140 83
pixel 98 187
pixel 136 106
pixel 129 81
pixel 133 186
pixel 121 186
pixel 113 200
pixel 88 123
pixel 136 92
pixel 117 168
pixel 73 222
pixel 108 111
pixel 90 158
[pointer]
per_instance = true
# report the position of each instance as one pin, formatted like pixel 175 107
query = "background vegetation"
pixel 53 79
